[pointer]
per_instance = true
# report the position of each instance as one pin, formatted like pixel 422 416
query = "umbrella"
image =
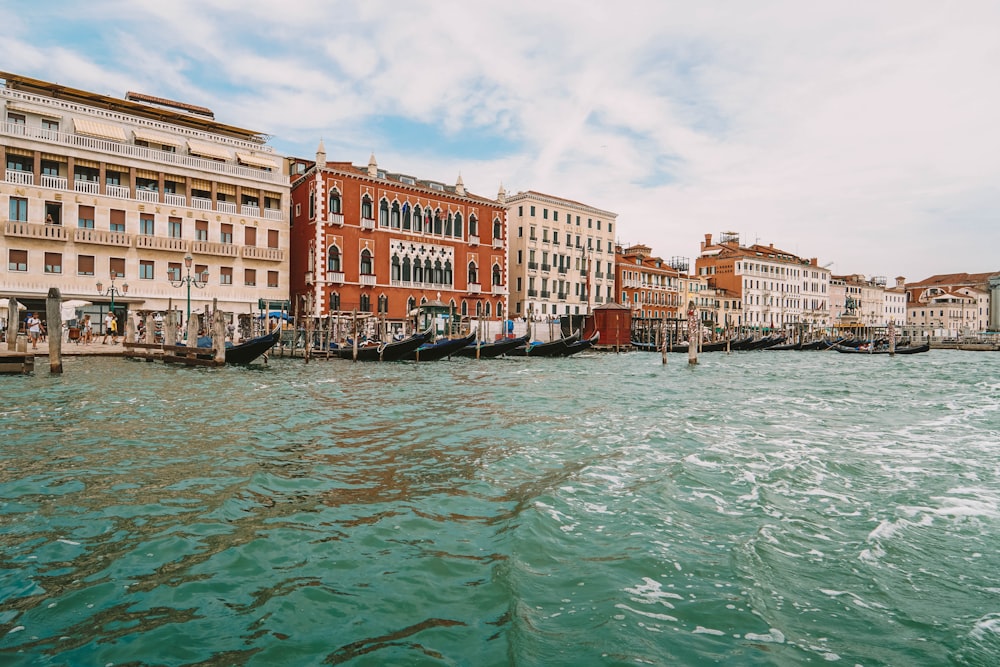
pixel 5 303
pixel 69 308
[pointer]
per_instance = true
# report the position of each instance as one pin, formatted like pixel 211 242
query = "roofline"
pixel 520 196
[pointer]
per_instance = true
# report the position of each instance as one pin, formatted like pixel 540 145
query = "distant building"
pixel 561 255
pixel 953 304
pixel 99 188
pixel 857 301
pixel 374 242
pixel 650 286
pixel 776 288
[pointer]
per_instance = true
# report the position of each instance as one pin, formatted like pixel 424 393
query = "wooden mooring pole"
pixel 692 335
pixel 53 318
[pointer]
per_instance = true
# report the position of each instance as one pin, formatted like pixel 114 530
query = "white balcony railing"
pixel 273 214
pixel 201 203
pixel 102 237
pixel 499 290
pixel 175 200
pixel 151 196
pixel 209 248
pixel 168 243
pixel 473 240
pixel 118 191
pixel 252 211
pixel 336 219
pixel 336 277
pixel 266 254
pixel 497 244
pixel 225 206
pixel 475 288
pixel 33 230
pixel 54 182
pixel 368 223
pixel 89 187
pixel 19 177
pixel 368 279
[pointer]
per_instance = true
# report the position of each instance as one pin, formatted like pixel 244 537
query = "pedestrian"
pixel 114 329
pixel 107 327
pixel 87 330
pixel 34 330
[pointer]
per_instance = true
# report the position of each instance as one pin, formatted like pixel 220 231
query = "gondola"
pixel 439 349
pixel 551 349
pixel 386 351
pixel 645 347
pixel 249 350
pixel 581 345
pixel 905 349
pixel 494 349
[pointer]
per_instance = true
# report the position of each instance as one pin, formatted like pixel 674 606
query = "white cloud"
pixel 860 133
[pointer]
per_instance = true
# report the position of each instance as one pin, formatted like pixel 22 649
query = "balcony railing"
pixel 201 203
pixel 335 219
pixel 54 182
pixel 336 277
pixel 368 279
pixel 473 240
pixel 546 294
pixel 532 265
pixel 368 223
pixel 499 290
pixel 210 248
pixel 19 177
pixel 563 296
pixel 497 244
pixel 175 200
pixel 546 267
pixel 33 230
pixel 167 243
pixel 225 206
pixel 89 187
pixel 151 196
pixel 475 288
pixel 252 211
pixel 102 237
pixel 273 214
pixel 118 191
pixel 266 254
pixel 532 292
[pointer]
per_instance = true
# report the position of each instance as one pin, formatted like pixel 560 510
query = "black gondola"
pixel 494 349
pixel 249 350
pixel 551 349
pixel 439 349
pixel 386 351
pixel 581 345
pixel 905 349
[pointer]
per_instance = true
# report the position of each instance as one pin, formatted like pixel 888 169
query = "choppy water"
pixel 758 509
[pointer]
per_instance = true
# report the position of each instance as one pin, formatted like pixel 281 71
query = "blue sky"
pixel 860 133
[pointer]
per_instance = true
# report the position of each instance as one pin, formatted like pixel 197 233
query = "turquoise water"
pixel 762 508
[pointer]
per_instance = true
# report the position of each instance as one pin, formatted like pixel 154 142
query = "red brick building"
pixel 383 243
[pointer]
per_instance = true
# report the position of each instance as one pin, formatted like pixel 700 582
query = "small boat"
pixel 438 349
pixel 551 349
pixel 882 349
pixel 494 349
pixel 645 347
pixel 249 350
pixel 385 351
pixel 581 345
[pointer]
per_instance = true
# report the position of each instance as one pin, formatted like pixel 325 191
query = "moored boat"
pixel 882 349
pixel 392 351
pixel 495 349
pixel 550 349
pixel 438 349
pixel 581 345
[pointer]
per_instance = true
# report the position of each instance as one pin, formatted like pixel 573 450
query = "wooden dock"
pixel 17 363
pixel 172 354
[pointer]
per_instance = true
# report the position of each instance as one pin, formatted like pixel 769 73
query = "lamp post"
pixel 198 281
pixel 112 291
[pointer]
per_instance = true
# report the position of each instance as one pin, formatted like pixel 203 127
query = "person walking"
pixel 86 330
pixel 114 329
pixel 108 319
pixel 34 330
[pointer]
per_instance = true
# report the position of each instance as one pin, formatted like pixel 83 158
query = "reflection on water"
pixel 760 508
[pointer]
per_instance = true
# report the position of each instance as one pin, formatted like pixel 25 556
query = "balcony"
pixel 533 265
pixel 175 200
pixel 225 207
pixel 54 182
pixel 368 279
pixel 563 269
pixel 210 248
pixel 151 196
pixel 265 254
pixel 473 240
pixel 117 191
pixel 475 288
pixel 273 214
pixel 563 296
pixel 18 177
pixel 335 219
pixel 201 203
pixel 532 292
pixel 87 187
pixel 252 211
pixel 498 244
pixel 166 243
pixel 336 277
pixel 102 237
pixel 546 294
pixel 499 290
pixel 368 224
pixel 546 267
pixel 32 230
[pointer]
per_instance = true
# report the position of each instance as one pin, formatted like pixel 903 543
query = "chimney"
pixel 707 242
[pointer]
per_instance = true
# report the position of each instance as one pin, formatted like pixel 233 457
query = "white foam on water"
pixel 773 636
pixel 647 614
pixel 986 625
pixel 64 541
pixel 707 631
pixel 651 591
pixel 16 628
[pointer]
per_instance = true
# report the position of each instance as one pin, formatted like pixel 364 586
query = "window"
pixel 17 260
pixel 175 228
pixel 407 216
pixel 201 230
pixel 334 201
pixel 272 238
pixel 16 119
pixel 146 225
pixel 395 269
pixel 53 213
pixel 173 271
pixel 366 303
pixel 250 236
pixel 366 262
pixel 85 217
pixel 394 216
pixel 85 265
pixel 532 211
pixel 334 301
pixel 312 205
pixel 473 273
pixel 226 233
pixel 116 267
pixel 383 304
pixel 146 269
pixel 117 221
pixel 18 209
pixel 383 213
pixel 333 259
pixel 366 208
pixel 545 214
pixel 225 275
pixel 496 274
pixel 250 277
pixel 53 262
pixel 497 229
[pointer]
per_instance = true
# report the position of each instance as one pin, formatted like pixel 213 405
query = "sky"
pixel 864 134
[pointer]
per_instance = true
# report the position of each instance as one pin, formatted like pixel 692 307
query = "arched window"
pixel 438 221
pixel 406 269
pixel 448 222
pixel 496 274
pixel 365 304
pixel 428 221
pixel 457 229
pixel 473 273
pixel 383 213
pixel 447 272
pixel 333 259
pixel 335 201
pixel 366 208
pixel 473 225
pixel 394 215
pixel 438 272
pixel 383 303
pixel 479 309
pixel 395 269
pixel 411 303
pixel 366 262
pixel 497 229
pixel 499 309
pixel 406 215
pixel 428 271
pixel 334 301
pixel 465 308
pixel 418 272
pixel 488 305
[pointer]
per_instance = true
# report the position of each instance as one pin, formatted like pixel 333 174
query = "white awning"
pixel 93 128
pixel 143 134
pixel 257 160
pixel 44 113
pixel 205 149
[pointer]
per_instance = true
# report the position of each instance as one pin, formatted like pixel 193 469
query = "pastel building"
pixel 951 304
pixel 136 192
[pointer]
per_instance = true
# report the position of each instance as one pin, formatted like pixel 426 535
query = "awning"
pixel 93 128
pixel 207 150
pixel 256 160
pixel 38 112
pixel 143 134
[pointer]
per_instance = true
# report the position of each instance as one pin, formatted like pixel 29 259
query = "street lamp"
pixel 198 281
pixel 112 290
